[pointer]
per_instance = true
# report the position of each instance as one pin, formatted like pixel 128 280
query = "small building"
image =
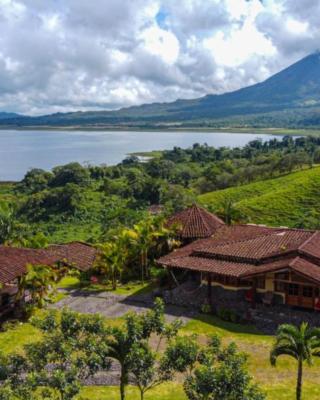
pixel 14 261
pixel 259 263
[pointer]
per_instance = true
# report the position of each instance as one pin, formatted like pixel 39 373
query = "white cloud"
pixel 64 55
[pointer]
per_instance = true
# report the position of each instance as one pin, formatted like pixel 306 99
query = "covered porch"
pixel 284 287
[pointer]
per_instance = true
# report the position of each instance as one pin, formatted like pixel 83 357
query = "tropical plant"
pixel 38 281
pixel 11 230
pixel 228 211
pixel 300 342
pixel 114 255
pixel 151 233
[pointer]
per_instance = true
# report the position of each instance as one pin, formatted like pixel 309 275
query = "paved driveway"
pixel 114 306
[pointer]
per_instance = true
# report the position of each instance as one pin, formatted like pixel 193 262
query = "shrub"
pixel 228 315
pixel 206 308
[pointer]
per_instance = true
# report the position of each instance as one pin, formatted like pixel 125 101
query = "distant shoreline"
pixel 253 131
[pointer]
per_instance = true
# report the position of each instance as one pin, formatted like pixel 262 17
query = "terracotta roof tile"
pixel 244 250
pixel 80 255
pixel 306 268
pixel 311 246
pixel 195 222
pixel 210 265
pixel 13 261
pixel 258 248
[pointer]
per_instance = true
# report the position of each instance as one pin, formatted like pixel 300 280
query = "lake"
pixel 22 150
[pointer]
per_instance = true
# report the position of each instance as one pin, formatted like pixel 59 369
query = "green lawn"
pixel 15 338
pixel 175 392
pixel 130 288
pixel 164 392
pixel 278 382
pixel 279 201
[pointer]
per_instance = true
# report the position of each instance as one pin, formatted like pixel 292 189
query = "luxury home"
pixel 262 264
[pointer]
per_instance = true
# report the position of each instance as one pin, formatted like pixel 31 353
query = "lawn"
pixel 130 288
pixel 15 338
pixel 171 391
pixel 278 382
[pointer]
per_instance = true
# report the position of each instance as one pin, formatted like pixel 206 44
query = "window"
pixel 293 289
pixel 307 291
pixel 5 299
pixel 282 276
pixel 279 286
pixel 261 283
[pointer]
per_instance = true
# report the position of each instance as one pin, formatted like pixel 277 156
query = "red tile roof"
pixel 246 250
pixel 272 244
pixel 209 265
pixel 195 222
pixel 312 246
pixel 78 254
pixel 13 261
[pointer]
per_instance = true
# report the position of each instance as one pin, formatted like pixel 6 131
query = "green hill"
pixel 286 201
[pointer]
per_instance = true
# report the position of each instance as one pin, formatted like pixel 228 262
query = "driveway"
pixel 112 305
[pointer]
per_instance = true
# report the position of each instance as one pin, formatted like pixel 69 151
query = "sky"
pixel 68 55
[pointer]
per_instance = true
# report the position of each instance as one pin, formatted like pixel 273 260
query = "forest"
pixel 76 202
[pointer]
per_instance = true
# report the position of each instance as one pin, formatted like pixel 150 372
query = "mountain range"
pixel 290 98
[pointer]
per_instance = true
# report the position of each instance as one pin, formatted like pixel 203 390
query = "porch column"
pixel 254 292
pixel 209 294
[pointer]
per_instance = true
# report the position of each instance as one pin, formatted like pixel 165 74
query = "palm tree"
pixel 38 281
pixel 7 223
pixel 115 254
pixel 109 261
pixel 148 231
pixel 228 211
pixel 301 343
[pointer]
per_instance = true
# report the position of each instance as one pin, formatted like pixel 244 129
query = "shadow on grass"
pixel 204 323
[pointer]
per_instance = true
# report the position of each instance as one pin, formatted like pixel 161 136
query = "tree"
pixel 72 348
pixel 114 255
pixel 302 343
pixel 11 231
pixel 148 232
pixel 133 338
pixel 35 180
pixel 228 211
pixel 182 355
pixel 212 372
pixel 70 173
pixel 147 371
pixel 38 281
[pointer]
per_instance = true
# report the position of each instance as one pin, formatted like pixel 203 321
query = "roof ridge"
pixel 194 211
pixel 307 241
pixel 208 213
pixel 199 211
pixel 282 228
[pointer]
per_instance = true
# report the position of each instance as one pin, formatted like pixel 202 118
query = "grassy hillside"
pixel 287 200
